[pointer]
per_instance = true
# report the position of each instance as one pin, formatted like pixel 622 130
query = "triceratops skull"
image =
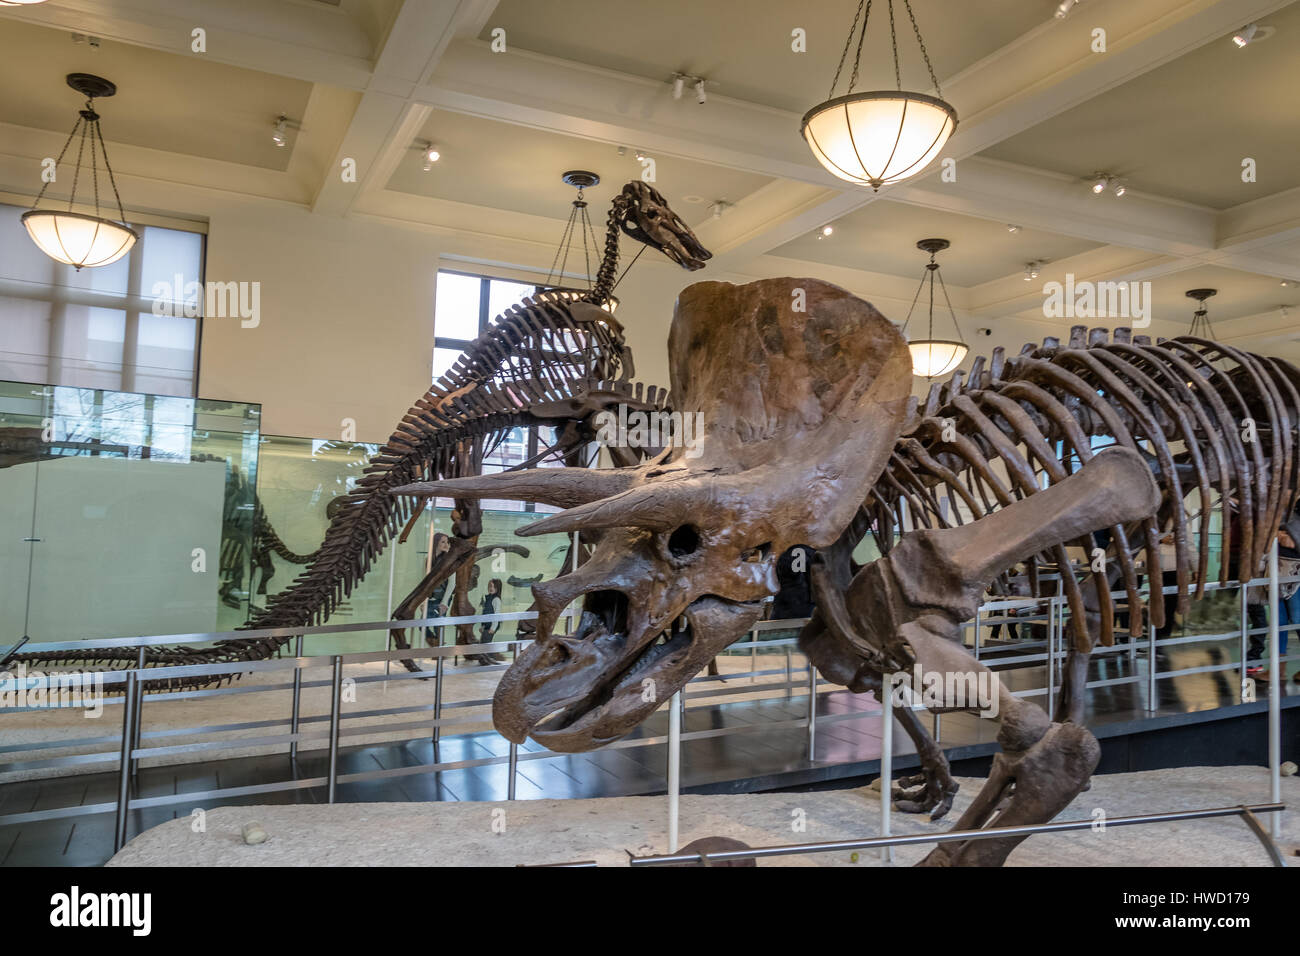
pixel 802 389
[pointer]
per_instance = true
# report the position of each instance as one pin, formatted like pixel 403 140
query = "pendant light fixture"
pixel 931 356
pixel 79 239
pixel 884 136
pixel 577 227
pixel 1201 327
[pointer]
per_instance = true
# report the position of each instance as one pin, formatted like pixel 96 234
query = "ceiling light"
pixel 641 157
pixel 1201 327
pixel 1100 183
pixel 931 356
pixel 1247 33
pixel 828 230
pixel 578 225
pixel 699 91
pixel 718 207
pixel 1118 188
pixel 1013 229
pixel 1031 270
pixel 1064 8
pixel 679 85
pixel 79 239
pixel 19 3
pixel 279 136
pixel 883 136
pixel 1285 283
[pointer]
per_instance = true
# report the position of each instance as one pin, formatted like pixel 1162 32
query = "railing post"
pixel 297 699
pixel 812 712
pixel 335 708
pixel 124 766
pixel 886 762
pixel 1051 646
pixel 789 673
pixel 976 639
pixel 753 654
pixel 674 767
pixel 437 701
pixel 514 766
pixel 1276 676
pixel 1245 625
pixel 139 711
pixel 1151 661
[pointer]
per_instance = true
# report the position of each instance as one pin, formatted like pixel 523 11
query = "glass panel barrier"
pixel 127 513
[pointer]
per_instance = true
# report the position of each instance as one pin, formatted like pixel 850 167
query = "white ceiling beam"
pixel 388 117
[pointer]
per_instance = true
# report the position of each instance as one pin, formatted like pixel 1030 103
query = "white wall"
pixel 346 320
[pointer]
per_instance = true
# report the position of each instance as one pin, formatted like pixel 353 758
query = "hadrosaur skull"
pixel 802 388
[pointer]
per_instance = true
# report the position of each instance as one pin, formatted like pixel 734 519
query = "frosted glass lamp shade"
pixel 933 357
pixel 878 138
pixel 79 240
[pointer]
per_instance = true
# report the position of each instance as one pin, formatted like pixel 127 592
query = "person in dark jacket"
pixel 488 629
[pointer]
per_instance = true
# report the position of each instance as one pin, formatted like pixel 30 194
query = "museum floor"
pixel 772 756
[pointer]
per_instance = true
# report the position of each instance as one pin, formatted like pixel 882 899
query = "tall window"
pixel 466 305
pixel 99 328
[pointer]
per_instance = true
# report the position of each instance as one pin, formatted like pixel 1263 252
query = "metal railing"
pixel 1246 813
pixel 128 748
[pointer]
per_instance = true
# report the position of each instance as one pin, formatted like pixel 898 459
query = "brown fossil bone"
pixel 802 389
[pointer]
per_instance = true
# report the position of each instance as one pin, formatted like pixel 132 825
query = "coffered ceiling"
pixel 1172 106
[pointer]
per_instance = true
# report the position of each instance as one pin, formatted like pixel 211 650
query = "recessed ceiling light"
pixel 828 230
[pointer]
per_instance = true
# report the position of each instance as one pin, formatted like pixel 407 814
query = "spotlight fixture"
pixel 1243 36
pixel 827 231
pixel 1201 327
pixel 1064 7
pixel 1099 184
pixel 79 239
pixel 1118 188
pixel 641 157
pixel 1285 283
pixel 1012 229
pixel 681 80
pixel 1031 270
pixel 279 136
pixel 931 356
pixel 429 153
pixel 718 207
pixel 699 91
pixel 883 136
pixel 679 85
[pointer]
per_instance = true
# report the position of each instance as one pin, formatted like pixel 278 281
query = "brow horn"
pixel 560 487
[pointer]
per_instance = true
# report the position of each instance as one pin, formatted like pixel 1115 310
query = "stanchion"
pixel 886 761
pixel 139 711
pixel 124 771
pixel 335 708
pixel 437 702
pixel 513 766
pixel 1274 694
pixel 1245 623
pixel 674 767
pixel 297 700
pixel 812 712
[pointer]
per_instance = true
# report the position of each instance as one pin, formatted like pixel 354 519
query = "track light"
pixel 1099 184
pixel 1118 188
pixel 1243 36
pixel 827 231
pixel 280 137
pixel 1064 8
pixel 718 207
pixel 431 156
pixel 679 85
pixel 1031 270
pixel 1012 229
pixel 700 96
pixel 641 157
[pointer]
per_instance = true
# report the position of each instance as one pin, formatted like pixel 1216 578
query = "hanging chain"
pixel 942 285
pixel 76 126
pixel 76 173
pixel 111 180
pixel 893 42
pixel 925 55
pixel 862 15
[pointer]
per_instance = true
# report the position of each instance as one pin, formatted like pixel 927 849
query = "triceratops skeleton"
pixel 811 437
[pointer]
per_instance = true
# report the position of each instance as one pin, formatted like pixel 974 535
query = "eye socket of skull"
pixel 684 541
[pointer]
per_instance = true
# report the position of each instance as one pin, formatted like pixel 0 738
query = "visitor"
pixel 1288 603
pixel 435 607
pixel 488 629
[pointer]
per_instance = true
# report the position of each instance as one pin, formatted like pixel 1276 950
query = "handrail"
pixel 990 833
